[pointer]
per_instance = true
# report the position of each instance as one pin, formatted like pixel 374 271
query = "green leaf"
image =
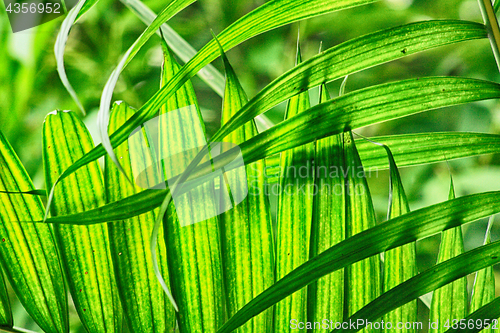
pixel 5 310
pixel 363 277
pixel 246 229
pixel 352 56
pixel 271 15
pixel 485 315
pixel 325 297
pixel 431 279
pixel 28 254
pixel 294 217
pixel 483 291
pixel 398 231
pixel 422 148
pixel 145 306
pixel 449 302
pixel 84 249
pixel 366 107
pixel 408 150
pixel 399 263
pixel 193 248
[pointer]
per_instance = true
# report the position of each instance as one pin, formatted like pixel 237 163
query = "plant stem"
pixel 490 20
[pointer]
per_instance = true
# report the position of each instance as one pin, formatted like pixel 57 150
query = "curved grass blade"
pixel 28 254
pixel 192 239
pixel 294 217
pixel 449 302
pixel 485 316
pixel 352 56
pixel 363 277
pixel 271 15
pixel 483 291
pixel 84 249
pixel 385 236
pixel 431 279
pixel 60 44
pixel 325 297
pixel 246 229
pixel 107 94
pixel 145 306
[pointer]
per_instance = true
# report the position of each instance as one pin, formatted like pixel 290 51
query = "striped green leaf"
pixel 84 249
pixel 449 302
pixel 385 236
pixel 485 316
pixel 431 279
pixel 325 298
pixel 294 217
pixel 193 250
pixel 363 277
pixel 269 16
pixel 352 56
pixel 145 305
pixel 399 263
pixel 5 310
pixel 483 291
pixel 28 254
pixel 246 230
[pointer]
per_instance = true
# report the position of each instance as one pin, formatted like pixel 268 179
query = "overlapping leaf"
pixel 325 297
pixel 28 254
pixel 145 305
pixel 385 236
pixel 84 249
pixel 192 239
pixel 294 217
pixel 246 229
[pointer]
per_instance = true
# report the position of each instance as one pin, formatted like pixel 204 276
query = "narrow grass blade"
pixel 398 231
pixel 246 229
pixel 325 297
pixel 59 46
pixel 269 16
pixel 362 278
pixel 193 248
pixel 483 291
pixel 399 263
pixel 145 306
pixel 352 56
pixel 294 217
pixel 431 279
pixel 28 254
pixel 483 318
pixel 84 249
pixel 449 302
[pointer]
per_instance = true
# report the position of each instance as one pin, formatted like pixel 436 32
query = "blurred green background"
pixel 30 87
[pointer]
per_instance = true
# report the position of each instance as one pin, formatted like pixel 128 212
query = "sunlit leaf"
pixel 84 249
pixel 28 254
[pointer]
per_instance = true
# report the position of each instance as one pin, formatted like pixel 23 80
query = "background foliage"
pixel 30 86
